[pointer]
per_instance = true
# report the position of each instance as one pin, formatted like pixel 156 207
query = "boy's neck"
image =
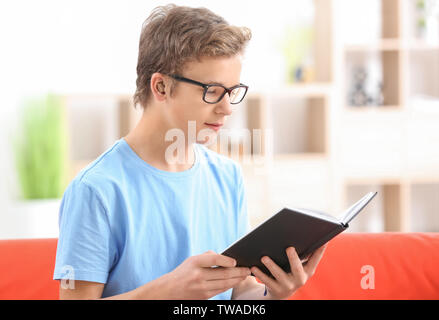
pixel 147 140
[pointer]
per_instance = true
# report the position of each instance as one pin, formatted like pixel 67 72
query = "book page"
pixel 350 213
pixel 318 214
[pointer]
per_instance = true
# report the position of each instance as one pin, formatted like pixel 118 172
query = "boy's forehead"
pixel 218 70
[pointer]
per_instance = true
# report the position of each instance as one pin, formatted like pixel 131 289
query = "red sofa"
pixel 355 266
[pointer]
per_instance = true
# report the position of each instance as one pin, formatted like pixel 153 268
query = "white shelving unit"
pixel 326 153
pixel 390 147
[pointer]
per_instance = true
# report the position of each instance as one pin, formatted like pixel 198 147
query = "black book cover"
pixel 305 230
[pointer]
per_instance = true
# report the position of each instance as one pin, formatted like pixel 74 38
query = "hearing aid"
pixel 161 88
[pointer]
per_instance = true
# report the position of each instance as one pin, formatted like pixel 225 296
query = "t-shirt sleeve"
pixel 243 219
pixel 85 248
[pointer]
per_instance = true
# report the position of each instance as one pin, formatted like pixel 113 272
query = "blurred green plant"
pixel 40 147
pixel 420 22
pixel 420 4
pixel 297 48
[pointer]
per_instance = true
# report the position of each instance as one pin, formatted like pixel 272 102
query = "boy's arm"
pixel 193 279
pixel 87 290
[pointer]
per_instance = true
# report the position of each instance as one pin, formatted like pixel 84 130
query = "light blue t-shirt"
pixel 124 223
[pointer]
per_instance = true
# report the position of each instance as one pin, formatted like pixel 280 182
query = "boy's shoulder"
pixel 108 168
pixel 102 169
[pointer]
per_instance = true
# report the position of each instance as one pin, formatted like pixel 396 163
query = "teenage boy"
pixel 146 220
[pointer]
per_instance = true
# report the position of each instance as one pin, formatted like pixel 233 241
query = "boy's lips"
pixel 214 126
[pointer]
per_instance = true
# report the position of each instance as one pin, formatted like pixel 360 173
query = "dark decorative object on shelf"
pixel 359 96
pixel 298 74
pixel 379 100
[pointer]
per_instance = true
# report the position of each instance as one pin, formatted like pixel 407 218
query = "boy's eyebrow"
pixel 215 82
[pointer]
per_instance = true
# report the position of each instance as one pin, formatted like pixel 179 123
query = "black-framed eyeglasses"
pixel 213 93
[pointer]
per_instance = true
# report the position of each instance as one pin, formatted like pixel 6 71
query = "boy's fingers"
pixel 274 269
pixel 223 284
pixel 314 260
pixel 295 263
pixel 227 273
pixel 210 259
pixel 269 282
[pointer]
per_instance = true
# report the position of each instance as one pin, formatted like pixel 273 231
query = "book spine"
pixel 322 241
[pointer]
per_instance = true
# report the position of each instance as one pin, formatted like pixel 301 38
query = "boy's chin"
pixel 209 139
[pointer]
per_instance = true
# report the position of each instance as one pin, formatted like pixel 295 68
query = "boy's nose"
pixel 224 105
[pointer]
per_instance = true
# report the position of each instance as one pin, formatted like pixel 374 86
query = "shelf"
pixel 389 148
pixel 372 109
pixel 391 19
pixel 420 45
pixel 128 115
pixel 244 133
pixel 393 45
pixel 400 205
pixel 314 89
pixel 373 78
pixel 380 45
pixel 300 181
pixel 422 142
pixel 290 123
pixel 423 73
pixel 93 119
pixel 423 178
pixel 301 157
pixel 424 207
pixel 413 15
pixel 366 21
pixel 386 212
pixel 383 180
pixel 98 119
pixel 299 125
pixel 370 219
pixel 323 40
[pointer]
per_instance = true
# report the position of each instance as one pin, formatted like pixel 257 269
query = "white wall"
pixel 91 47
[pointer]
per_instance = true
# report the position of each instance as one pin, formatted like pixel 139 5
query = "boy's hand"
pixel 204 276
pixel 285 284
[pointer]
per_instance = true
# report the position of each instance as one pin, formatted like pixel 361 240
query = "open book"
pixel 305 230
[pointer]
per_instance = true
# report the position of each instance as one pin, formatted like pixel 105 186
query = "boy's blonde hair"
pixel 173 35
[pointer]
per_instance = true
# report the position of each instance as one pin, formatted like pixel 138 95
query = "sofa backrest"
pixel 26 269
pixel 377 266
pixel 354 266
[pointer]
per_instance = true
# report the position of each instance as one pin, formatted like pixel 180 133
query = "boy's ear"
pixel 158 85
